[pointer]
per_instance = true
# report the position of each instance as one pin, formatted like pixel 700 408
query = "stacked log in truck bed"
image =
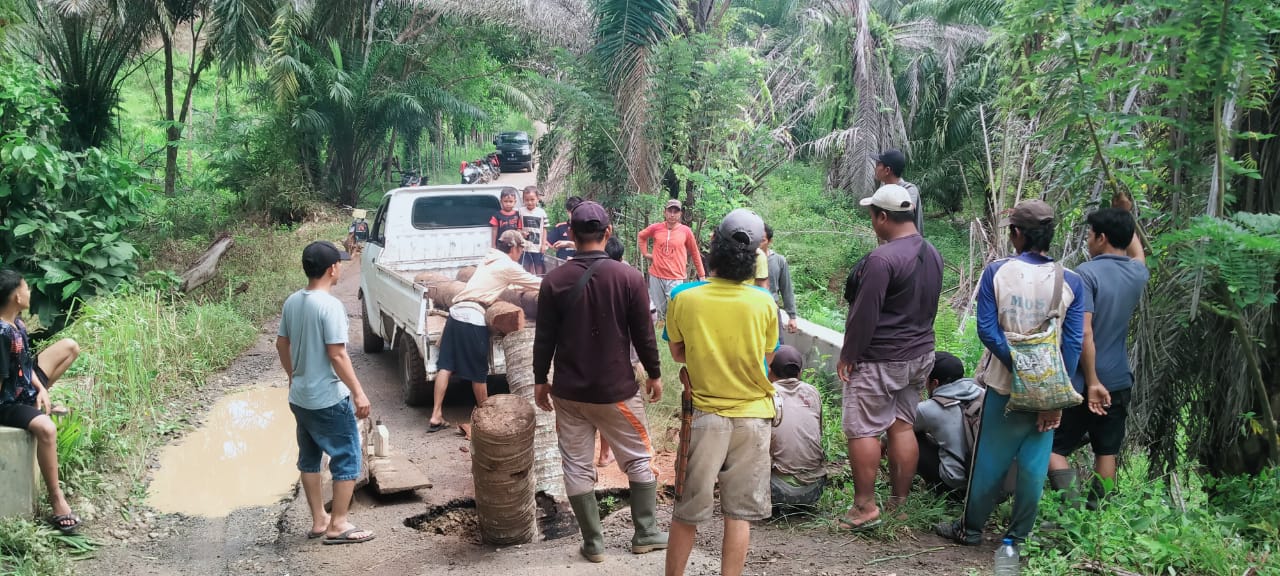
pixel 508 314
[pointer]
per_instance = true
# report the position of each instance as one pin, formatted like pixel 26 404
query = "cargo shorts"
pixel 878 393
pixel 735 452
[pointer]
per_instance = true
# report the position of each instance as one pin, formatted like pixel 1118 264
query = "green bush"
pixel 64 215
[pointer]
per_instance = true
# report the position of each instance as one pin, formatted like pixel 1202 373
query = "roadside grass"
pixel 145 352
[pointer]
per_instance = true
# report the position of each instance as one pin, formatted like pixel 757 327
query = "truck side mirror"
pixel 495 142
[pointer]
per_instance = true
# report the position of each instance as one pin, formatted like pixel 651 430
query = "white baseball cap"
pixel 890 198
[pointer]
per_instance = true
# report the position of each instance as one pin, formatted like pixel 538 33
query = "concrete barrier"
pixel 819 345
pixel 18 473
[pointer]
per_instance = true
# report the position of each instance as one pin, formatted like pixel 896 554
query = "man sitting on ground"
pixel 954 403
pixel 464 346
pixel 799 465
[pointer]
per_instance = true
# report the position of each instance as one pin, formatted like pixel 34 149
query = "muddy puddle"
pixel 245 454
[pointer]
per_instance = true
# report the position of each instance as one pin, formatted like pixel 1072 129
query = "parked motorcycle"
pixel 471 173
pixel 495 164
pixel 357 233
pixel 410 178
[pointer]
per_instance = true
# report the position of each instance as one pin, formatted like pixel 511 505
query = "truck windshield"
pixel 453 211
pixel 513 139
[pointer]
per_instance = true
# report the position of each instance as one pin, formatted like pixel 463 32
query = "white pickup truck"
pixel 439 229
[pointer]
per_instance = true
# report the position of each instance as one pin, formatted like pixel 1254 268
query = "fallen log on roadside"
pixel 207 266
pixel 503 318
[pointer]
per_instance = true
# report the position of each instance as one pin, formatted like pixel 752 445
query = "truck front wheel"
pixel 373 343
pixel 417 391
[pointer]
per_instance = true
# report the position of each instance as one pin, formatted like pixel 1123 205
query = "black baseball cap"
pixel 589 216
pixel 318 256
pixel 894 159
pixel 946 368
pixel 742 226
pixel 787 361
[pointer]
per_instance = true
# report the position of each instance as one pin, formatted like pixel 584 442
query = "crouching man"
pixel 799 466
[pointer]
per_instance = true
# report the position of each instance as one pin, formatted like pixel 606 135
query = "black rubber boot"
pixel 1065 481
pixel 587 511
pixel 644 515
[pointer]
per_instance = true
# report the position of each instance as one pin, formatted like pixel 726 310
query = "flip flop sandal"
pixel 852 528
pixel 438 427
pixel 344 538
pixel 314 535
pixel 65 529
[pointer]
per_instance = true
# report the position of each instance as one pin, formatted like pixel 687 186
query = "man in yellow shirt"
pixel 725 332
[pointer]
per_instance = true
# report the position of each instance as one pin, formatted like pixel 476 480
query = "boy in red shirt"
pixel 507 218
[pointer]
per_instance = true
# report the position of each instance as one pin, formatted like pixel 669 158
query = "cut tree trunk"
pixel 430 278
pixel 207 266
pixel 443 293
pixel 527 300
pixel 504 318
pixel 465 274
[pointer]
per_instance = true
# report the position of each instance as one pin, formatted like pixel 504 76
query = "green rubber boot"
pixel 644 515
pixel 587 511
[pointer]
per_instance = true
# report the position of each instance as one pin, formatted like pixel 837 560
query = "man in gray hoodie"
pixel 940 424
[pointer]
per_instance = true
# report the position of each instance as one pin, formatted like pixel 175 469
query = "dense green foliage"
pixel 63 215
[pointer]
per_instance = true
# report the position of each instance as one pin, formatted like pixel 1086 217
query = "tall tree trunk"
pixel 172 131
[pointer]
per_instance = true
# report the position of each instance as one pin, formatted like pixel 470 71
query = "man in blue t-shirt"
pixel 1114 280
pixel 324 394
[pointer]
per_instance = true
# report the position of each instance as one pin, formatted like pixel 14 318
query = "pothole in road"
pixel 458 517
pixel 243 455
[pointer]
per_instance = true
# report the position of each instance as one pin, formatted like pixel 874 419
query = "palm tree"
pixel 900 76
pixel 85 49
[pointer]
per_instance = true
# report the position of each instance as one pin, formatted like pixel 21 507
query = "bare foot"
pixel 319 525
pixel 605 459
pixel 893 505
pixel 464 430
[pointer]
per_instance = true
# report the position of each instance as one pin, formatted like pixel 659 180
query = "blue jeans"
pixel 1002 438
pixel 329 431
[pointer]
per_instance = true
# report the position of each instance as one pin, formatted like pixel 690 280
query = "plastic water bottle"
pixel 1007 559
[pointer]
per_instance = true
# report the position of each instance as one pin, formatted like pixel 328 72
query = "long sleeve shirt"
pixel 672 248
pixel 1014 296
pixel 895 299
pixel 495 274
pixel 590 340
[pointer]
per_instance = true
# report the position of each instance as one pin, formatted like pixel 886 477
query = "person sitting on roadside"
pixel 559 235
pixel 464 345
pixel 780 284
pixel 940 425
pixel 325 394
pixel 799 465
pixel 24 393
pixel 725 331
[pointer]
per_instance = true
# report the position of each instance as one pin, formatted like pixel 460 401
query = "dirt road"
pixel 271 540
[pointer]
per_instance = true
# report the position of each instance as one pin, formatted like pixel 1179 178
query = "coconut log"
pixel 430 278
pixel 207 266
pixel 443 293
pixel 504 318
pixel 527 300
pixel 465 274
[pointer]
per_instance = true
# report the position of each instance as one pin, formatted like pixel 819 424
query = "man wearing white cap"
pixel 893 297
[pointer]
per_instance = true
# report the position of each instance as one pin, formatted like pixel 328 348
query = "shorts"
pixel 329 431
pixel 787 495
pixel 464 350
pixel 1104 433
pixel 879 393
pixel 18 415
pixel 735 452
pixel 660 292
